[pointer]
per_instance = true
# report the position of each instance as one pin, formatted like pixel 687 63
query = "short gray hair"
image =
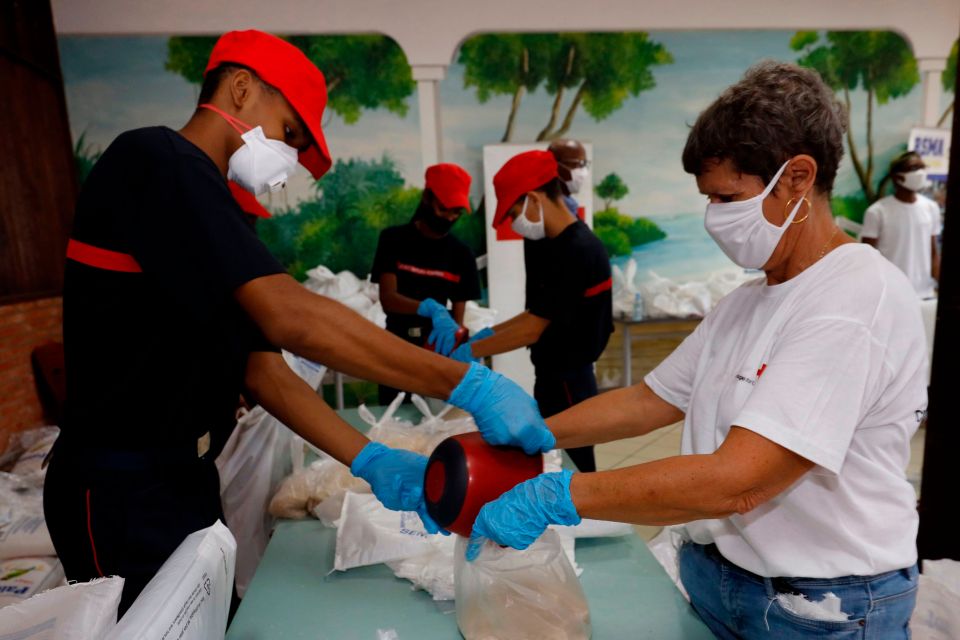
pixel 776 111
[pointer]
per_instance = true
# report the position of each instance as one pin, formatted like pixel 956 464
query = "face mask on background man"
pixel 914 180
pixel 524 227
pixel 577 178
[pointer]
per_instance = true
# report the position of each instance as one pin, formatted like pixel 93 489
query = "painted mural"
pixel 633 95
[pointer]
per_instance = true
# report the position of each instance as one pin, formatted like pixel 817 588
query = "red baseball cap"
pixel 247 201
pixel 521 174
pixel 282 65
pixel 450 184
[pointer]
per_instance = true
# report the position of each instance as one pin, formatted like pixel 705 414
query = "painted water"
pixel 687 253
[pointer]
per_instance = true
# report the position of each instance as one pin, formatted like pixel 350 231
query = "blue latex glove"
pixel 464 353
pixel 444 333
pixel 504 413
pixel 396 477
pixel 520 516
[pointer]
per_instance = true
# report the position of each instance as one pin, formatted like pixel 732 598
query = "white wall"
pixel 429 31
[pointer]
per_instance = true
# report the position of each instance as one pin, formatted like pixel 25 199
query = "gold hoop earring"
pixel 791 201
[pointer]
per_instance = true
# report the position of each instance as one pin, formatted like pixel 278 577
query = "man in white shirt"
pixel 904 226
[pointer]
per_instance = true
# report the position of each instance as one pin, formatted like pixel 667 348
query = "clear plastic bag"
pixel 327 479
pixel 521 595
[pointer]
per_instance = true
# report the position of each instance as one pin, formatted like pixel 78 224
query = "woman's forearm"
pixel 746 471
pixel 668 491
pixel 623 413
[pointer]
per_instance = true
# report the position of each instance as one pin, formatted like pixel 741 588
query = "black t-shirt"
pixel 443 269
pixel 571 287
pixel 156 359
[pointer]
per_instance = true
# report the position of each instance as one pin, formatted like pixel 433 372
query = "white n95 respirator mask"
pixel 741 230
pixel 524 227
pixel 262 164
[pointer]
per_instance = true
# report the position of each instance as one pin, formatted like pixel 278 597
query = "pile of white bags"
pixel 28 563
pixel 667 298
pixel 937 614
pixel 362 296
pixel 85 611
pixel 23 578
pixel 23 529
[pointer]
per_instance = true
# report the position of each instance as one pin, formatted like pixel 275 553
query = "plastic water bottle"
pixel 637 307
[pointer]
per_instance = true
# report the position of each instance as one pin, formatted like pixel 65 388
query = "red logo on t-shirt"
pixel 761 370
pixel 430 273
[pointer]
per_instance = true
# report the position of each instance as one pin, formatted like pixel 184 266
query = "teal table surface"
pixel 295 594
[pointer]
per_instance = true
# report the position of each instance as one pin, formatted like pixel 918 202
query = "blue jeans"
pixel 735 603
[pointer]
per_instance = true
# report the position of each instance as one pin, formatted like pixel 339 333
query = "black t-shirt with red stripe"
pixel 155 357
pixel 443 269
pixel 571 287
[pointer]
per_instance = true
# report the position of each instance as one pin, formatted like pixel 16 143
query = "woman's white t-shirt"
pixel 832 366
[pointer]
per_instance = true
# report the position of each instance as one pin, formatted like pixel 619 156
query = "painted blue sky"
pixel 118 83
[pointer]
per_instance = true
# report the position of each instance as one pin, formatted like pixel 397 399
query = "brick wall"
pixel 24 326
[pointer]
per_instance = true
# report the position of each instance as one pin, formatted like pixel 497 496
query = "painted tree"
pixel 363 72
pixel 600 70
pixel 508 64
pixel 949 80
pixel 879 62
pixel 611 189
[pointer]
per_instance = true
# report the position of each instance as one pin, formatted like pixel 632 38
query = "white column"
pixel 428 79
pixel 931 70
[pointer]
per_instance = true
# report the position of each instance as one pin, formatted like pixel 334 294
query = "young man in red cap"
pixel 420 267
pixel 169 294
pixel 569 307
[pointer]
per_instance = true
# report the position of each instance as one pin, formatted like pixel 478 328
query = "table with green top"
pixel 296 594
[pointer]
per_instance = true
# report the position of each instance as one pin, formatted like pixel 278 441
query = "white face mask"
pixel 524 227
pixel 262 164
pixel 741 230
pixel 577 178
pixel 914 180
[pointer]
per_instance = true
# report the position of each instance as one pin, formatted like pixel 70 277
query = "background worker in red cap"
pixel 420 267
pixel 569 307
pixel 169 293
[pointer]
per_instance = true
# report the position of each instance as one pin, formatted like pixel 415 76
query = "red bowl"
pixel 464 473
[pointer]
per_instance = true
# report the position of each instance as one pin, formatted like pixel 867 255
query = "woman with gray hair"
pixel 799 394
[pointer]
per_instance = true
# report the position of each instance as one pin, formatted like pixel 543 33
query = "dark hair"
pixel 776 111
pixel 902 161
pixel 211 82
pixel 553 190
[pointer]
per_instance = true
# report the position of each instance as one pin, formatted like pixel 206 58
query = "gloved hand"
pixel 396 477
pixel 504 413
pixel 444 333
pixel 464 353
pixel 521 515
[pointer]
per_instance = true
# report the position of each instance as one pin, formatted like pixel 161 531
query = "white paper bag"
pixel 189 598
